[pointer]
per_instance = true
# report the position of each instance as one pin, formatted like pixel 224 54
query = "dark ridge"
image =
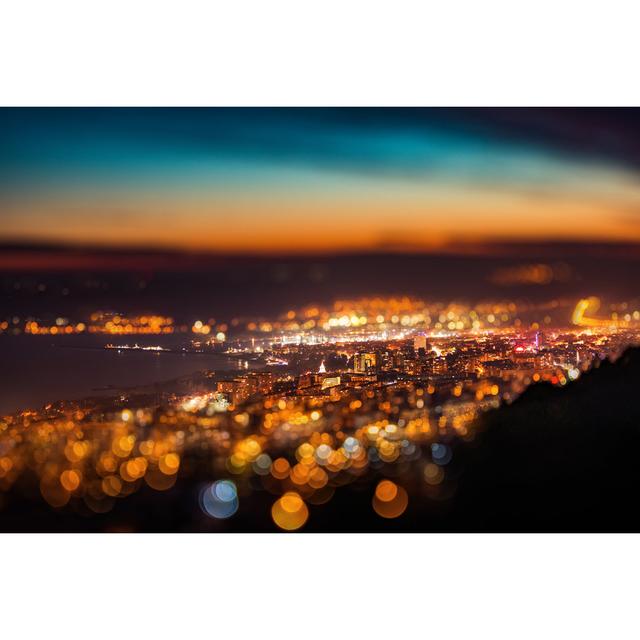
pixel 558 459
pixel 490 247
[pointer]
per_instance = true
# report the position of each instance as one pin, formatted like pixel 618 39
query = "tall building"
pixel 419 342
pixel 364 362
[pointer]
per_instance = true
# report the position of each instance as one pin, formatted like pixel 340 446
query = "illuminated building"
pixel 438 365
pixel 328 383
pixel 364 362
pixel 419 342
pixel 261 382
pixel 242 388
pixel 306 380
pixel 398 360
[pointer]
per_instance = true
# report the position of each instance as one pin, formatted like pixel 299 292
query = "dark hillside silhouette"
pixel 558 459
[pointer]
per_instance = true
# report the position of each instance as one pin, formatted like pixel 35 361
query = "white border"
pixel 330 52
pixel 313 586
pixel 292 52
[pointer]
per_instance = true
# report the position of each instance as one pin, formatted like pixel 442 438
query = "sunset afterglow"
pixel 308 180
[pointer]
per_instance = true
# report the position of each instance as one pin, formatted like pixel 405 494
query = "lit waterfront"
pixel 45 369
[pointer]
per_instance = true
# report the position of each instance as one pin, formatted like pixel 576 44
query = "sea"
pixel 36 370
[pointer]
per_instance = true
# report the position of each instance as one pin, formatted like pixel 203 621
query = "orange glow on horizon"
pixel 293 226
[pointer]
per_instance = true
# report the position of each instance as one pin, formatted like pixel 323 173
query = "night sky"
pixel 318 180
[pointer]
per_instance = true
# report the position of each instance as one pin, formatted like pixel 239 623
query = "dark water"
pixel 35 370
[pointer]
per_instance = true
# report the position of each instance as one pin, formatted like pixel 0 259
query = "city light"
pixel 311 414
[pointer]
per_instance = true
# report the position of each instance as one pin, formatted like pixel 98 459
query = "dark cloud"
pixel 316 137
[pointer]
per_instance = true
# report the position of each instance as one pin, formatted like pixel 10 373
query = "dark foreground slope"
pixel 557 459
